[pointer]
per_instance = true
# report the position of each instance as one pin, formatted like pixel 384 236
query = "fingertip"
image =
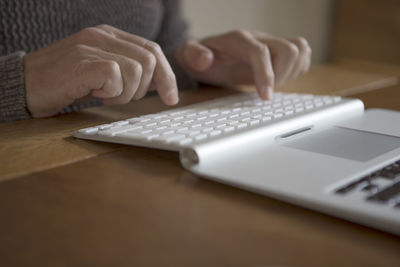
pixel 266 92
pixel 205 60
pixel 101 93
pixel 198 57
pixel 270 92
pixel 139 96
pixel 172 98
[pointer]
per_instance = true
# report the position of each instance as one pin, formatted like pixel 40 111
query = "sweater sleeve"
pixel 172 35
pixel 12 88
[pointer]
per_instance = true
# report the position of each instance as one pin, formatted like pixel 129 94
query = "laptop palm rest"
pixel 305 168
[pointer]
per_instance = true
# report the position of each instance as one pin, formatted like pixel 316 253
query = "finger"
pixel 152 87
pixel 243 46
pixel 284 54
pixel 197 56
pixel 164 77
pixel 101 75
pixel 131 71
pixel 304 60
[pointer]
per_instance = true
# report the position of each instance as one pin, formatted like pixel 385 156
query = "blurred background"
pixel 358 29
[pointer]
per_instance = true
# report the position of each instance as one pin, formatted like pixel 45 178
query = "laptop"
pixel 324 153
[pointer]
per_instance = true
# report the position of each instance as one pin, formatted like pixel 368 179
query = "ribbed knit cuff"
pixel 12 88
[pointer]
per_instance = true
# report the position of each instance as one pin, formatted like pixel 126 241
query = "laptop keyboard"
pixel 382 186
pixel 207 120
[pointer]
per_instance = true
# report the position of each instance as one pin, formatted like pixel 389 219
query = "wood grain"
pixel 344 78
pixel 388 98
pixel 138 207
pixel 368 30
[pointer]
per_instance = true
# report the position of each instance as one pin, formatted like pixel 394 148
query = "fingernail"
pixel 270 92
pixel 204 61
pixel 172 97
pixel 266 92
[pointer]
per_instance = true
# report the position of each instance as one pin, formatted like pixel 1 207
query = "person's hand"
pixel 102 62
pixel 245 57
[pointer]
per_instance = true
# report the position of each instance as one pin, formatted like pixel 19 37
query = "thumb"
pixel 197 56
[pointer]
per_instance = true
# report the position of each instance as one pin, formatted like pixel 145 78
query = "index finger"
pixel 163 78
pixel 243 46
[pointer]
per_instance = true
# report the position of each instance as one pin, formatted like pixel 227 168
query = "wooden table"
pixel 69 202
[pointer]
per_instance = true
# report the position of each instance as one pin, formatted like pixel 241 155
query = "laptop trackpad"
pixel 346 143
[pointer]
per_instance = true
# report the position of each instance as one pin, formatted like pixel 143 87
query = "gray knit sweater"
pixel 28 25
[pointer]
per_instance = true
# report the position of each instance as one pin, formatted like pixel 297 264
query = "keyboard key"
pixel 160 116
pixel 200 137
pixel 147 131
pixel 185 141
pixel 168 132
pixel 151 124
pixel 104 126
pixel 90 130
pixel 120 123
pixel 215 133
pixel 197 125
pixel 207 129
pixel 193 133
pixel 174 137
pixel 152 136
pixel 387 194
pixel 165 121
pixel 267 118
pixel 145 120
pixel 188 121
pixel 241 125
pixel 229 129
pixel 182 129
pixel 179 118
pixel 132 135
pixel 115 130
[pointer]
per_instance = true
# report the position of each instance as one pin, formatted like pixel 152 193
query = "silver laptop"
pixel 321 152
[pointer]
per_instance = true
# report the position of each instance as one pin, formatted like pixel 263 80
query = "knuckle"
pixel 303 44
pixel 149 61
pixel 79 49
pixel 106 29
pixel 168 79
pixel 104 26
pixel 124 100
pixel 241 33
pixel 263 50
pixel 111 69
pixel 89 33
pixel 269 76
pixel 308 50
pixel 134 68
pixel 153 47
pixel 302 41
pixel 171 78
pixel 291 50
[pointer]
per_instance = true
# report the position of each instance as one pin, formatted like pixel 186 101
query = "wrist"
pixel 12 88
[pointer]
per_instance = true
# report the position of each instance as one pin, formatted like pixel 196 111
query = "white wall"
pixel 287 18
